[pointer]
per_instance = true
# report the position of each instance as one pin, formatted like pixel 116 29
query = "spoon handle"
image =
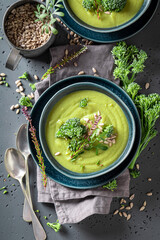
pixel 38 230
pixel 26 209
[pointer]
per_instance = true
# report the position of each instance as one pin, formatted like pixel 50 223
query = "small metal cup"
pixel 16 52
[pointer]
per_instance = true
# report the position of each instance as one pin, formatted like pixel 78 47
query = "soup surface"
pixel 69 107
pixel 106 21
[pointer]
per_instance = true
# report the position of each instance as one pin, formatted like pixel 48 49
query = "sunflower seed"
pixel 142 208
pixel 124 214
pixel 147 85
pixel 16 106
pixel 128 208
pixel 36 77
pixel 17 81
pixel 2 74
pixel 18 111
pixel 12 107
pixel 137 166
pixel 57 153
pixel 115 212
pixel 121 208
pixel 145 204
pixel 128 217
pixel 94 70
pixel 132 197
pixel 81 73
pixel 120 214
pixel 131 205
pixel 149 194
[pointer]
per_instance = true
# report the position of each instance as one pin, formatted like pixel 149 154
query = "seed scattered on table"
pixel 131 205
pixel 16 106
pixel 71 33
pixel 132 197
pixel 120 214
pixel 145 204
pixel 2 74
pixel 17 81
pixel 75 64
pixel 121 208
pixel 22 93
pixel 149 194
pixel 81 73
pixel 142 208
pixel 21 88
pixel 128 208
pixel 36 77
pixel 128 217
pixel 96 75
pixel 18 111
pixel 124 214
pixel 12 107
pixel 149 179
pixel 137 166
pixel 66 52
pixel 147 85
pixel 115 212
pixel 94 70
pixel 19 84
pixel 57 153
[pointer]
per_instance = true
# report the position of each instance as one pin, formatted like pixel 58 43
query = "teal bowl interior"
pixel 142 10
pixel 77 87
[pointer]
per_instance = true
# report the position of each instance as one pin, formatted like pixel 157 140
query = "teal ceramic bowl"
pixel 57 97
pixel 142 10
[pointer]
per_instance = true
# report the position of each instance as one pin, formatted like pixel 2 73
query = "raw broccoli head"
pixel 71 128
pixel 113 5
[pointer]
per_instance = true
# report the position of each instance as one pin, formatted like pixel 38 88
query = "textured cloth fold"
pixel 73 205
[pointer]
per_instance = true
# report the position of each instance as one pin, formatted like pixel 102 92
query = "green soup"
pixel 69 107
pixel 106 21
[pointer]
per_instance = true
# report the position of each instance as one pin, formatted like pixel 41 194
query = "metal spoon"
pixel 15 166
pixel 23 147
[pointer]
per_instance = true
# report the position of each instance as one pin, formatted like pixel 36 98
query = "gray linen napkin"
pixel 74 205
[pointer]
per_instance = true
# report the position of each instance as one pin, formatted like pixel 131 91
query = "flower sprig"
pixel 36 145
pixel 64 61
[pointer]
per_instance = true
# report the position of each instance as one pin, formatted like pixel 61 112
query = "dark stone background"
pixel 143 225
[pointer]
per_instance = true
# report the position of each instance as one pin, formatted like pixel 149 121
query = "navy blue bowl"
pixel 142 10
pixel 77 87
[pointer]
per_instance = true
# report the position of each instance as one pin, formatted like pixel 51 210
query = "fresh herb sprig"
pixel 46 14
pixel 129 62
pixel 36 145
pixel 64 61
pixel 111 185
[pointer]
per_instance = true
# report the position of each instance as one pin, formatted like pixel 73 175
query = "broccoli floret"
pixel 25 101
pixel 113 5
pixel 83 102
pixel 71 128
pixel 109 130
pixel 88 4
pixel 133 89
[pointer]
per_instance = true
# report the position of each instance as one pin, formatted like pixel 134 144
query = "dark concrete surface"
pixel 143 225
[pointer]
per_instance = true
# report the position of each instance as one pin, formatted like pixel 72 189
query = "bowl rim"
pixel 107 30
pixel 66 171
